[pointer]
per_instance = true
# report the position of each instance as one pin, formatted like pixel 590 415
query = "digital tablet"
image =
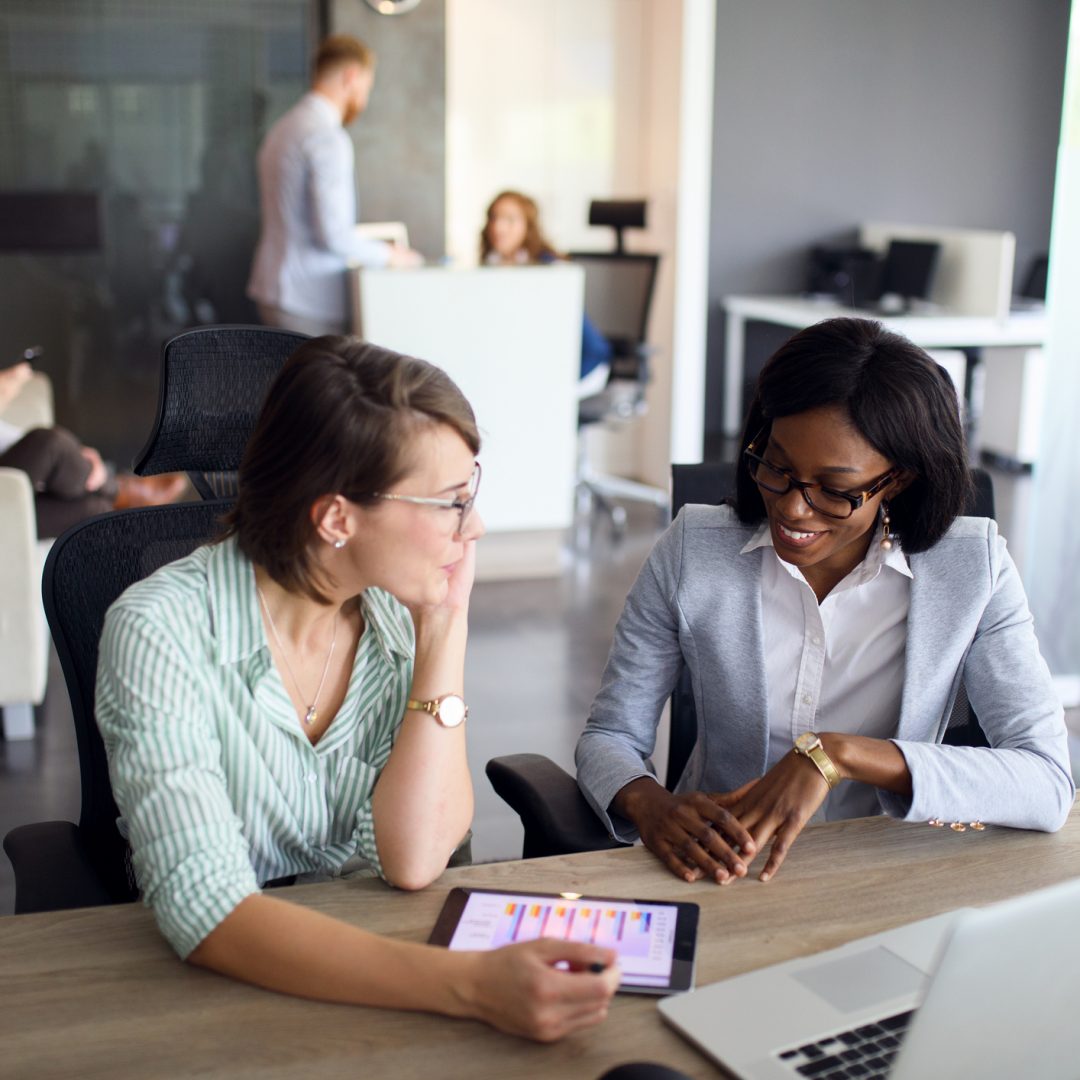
pixel 655 939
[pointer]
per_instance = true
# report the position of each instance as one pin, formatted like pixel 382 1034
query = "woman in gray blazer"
pixel 828 619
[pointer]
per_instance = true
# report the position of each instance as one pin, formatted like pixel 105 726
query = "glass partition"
pixel 144 117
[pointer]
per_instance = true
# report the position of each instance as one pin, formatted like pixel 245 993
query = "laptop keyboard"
pixel 865 1052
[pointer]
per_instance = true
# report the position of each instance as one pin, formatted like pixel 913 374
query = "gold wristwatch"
pixel 449 710
pixel 808 745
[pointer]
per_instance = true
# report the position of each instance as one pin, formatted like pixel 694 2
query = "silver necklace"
pixel 311 715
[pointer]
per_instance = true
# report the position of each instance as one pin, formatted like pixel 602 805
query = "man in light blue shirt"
pixel 308 200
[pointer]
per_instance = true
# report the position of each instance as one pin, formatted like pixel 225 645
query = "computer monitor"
pixel 909 269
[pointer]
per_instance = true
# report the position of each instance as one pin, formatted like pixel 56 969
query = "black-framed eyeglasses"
pixel 462 506
pixel 825 500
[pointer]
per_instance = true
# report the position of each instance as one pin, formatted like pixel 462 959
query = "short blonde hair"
pixel 340 49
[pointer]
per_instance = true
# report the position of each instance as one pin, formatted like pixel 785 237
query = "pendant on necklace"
pixel 311 715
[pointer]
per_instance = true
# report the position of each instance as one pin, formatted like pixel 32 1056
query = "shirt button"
pixel 312 777
pixel 816 639
pixel 807 699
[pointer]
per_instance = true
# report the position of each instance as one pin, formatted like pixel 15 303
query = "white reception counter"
pixel 511 339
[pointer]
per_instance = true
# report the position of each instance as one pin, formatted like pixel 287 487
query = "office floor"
pixel 536 652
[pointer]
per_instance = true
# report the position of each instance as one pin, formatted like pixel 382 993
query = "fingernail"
pixel 765 875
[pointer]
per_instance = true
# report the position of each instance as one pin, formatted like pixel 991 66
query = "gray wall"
pixel 832 112
pixel 401 139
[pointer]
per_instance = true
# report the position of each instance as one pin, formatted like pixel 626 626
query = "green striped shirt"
pixel 218 787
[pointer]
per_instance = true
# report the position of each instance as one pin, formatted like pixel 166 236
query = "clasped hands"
pixel 717 835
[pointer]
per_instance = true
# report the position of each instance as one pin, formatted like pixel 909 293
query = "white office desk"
pixel 510 337
pixel 940 331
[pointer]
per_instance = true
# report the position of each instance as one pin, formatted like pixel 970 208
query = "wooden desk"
pixel 98 993
pixel 928 331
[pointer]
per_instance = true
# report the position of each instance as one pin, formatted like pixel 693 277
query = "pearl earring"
pixel 339 543
pixel 886 538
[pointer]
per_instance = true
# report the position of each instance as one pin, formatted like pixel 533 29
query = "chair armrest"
pixel 53 870
pixel 556 817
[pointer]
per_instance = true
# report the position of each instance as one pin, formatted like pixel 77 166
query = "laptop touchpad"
pixel 861 980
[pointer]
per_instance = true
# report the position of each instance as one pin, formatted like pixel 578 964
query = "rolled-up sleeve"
pixel 1023 779
pixel 190 855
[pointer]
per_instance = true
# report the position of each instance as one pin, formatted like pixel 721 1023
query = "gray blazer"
pixel 697 601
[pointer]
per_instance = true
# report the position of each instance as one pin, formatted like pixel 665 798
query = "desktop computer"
pixel 862 279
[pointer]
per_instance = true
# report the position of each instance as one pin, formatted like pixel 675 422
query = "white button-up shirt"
pixel 837 665
pixel 308 207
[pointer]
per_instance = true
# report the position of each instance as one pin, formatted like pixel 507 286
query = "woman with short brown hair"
pixel 290 701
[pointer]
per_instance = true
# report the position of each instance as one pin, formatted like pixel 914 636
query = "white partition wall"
pixel 511 339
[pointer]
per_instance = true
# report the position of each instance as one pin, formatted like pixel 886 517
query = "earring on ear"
pixel 339 543
pixel 886 537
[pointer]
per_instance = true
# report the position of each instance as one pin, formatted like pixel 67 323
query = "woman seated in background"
pixel 828 619
pixel 71 482
pixel 512 236
pixel 288 701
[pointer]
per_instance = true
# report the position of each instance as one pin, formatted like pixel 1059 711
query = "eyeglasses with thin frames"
pixel 837 504
pixel 462 506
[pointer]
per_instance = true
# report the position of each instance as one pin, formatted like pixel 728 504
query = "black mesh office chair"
pixel 619 289
pixel 214 380
pixel 59 864
pixel 556 818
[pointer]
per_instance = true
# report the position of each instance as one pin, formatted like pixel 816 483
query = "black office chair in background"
pixel 213 383
pixel 554 814
pixel 619 289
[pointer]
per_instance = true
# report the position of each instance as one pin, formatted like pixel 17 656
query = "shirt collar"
pixel 234 603
pixel 324 107
pixel 389 621
pixel 876 557
pixel 237 622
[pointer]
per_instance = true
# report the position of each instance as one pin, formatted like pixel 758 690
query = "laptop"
pixel 988 993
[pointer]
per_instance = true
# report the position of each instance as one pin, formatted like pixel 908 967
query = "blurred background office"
pixel 753 131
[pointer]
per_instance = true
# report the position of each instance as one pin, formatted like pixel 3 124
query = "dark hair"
pixel 340 418
pixel 338 50
pixel 536 244
pixel 897 398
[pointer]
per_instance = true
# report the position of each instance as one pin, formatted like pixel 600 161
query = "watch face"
pixel 807 741
pixel 452 711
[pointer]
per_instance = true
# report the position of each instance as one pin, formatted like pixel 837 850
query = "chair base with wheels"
pixel 598 491
pixel 618 295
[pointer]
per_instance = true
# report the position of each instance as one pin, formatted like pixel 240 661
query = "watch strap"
pixel 822 762
pixel 434 708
